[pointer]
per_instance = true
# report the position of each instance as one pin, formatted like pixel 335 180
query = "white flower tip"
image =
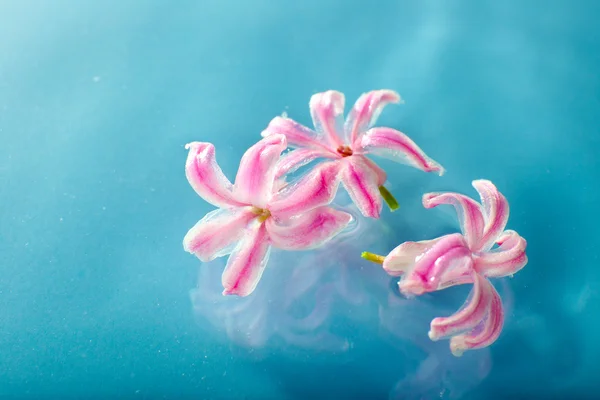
pixel 457 352
pixel 200 146
pixel 456 349
pixel 432 336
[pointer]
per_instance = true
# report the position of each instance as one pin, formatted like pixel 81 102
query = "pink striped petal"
pixel 307 231
pixel 362 184
pixel 496 212
pixel 214 234
pixel 295 159
pixel 487 332
pixel 395 145
pixel 381 175
pixel 506 260
pixel 327 111
pixel 437 264
pixel 469 214
pixel 315 189
pixel 469 316
pixel 247 262
pixel 256 174
pixel 402 259
pixel 365 112
pixel 298 135
pixel 206 177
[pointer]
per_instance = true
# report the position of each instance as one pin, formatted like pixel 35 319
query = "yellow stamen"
pixel 375 258
pixel 262 213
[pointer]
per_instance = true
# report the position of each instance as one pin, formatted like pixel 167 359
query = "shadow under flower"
pixel 299 299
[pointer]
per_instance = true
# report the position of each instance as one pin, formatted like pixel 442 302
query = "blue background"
pixel 97 100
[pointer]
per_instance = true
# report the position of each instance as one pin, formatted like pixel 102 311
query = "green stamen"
pixel 375 258
pixel 389 198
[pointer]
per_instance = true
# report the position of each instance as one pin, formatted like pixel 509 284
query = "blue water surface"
pixel 97 100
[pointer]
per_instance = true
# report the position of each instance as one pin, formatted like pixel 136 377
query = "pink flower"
pixel 254 215
pixel 456 259
pixel 349 142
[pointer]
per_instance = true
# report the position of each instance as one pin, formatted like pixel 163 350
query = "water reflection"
pixel 324 301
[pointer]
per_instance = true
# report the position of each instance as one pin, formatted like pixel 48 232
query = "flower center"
pixel 262 213
pixel 344 151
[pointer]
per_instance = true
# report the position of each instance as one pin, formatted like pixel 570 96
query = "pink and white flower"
pixel 254 214
pixel 348 143
pixel 457 259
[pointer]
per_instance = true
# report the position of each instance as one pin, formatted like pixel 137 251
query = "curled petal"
pixel 297 135
pixel 496 210
pixel 468 210
pixel 487 332
pixel 469 316
pixel 256 174
pixel 362 184
pixel 295 159
pixel 313 190
pixel 206 177
pixel 214 234
pixel 436 264
pixel 247 262
pixel 307 231
pixel 365 112
pixel 327 111
pixel 395 145
pixel 506 260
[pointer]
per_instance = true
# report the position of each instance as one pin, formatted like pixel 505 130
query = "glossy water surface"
pixel 97 99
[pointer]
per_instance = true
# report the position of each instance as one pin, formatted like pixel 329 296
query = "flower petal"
pixel 327 112
pixel 365 112
pixel 487 332
pixel 395 145
pixel 469 316
pixel 362 184
pixel 295 159
pixel 469 213
pixel 247 262
pixel 214 234
pixel 496 212
pixel 206 177
pixel 298 135
pixel 401 260
pixel 256 174
pixel 381 175
pixel 437 264
pixel 307 231
pixel 506 260
pixel 313 190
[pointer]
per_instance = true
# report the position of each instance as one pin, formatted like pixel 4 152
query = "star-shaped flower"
pixel 456 259
pixel 254 214
pixel 349 142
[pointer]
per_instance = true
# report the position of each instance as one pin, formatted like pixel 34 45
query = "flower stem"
pixel 389 198
pixel 375 258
